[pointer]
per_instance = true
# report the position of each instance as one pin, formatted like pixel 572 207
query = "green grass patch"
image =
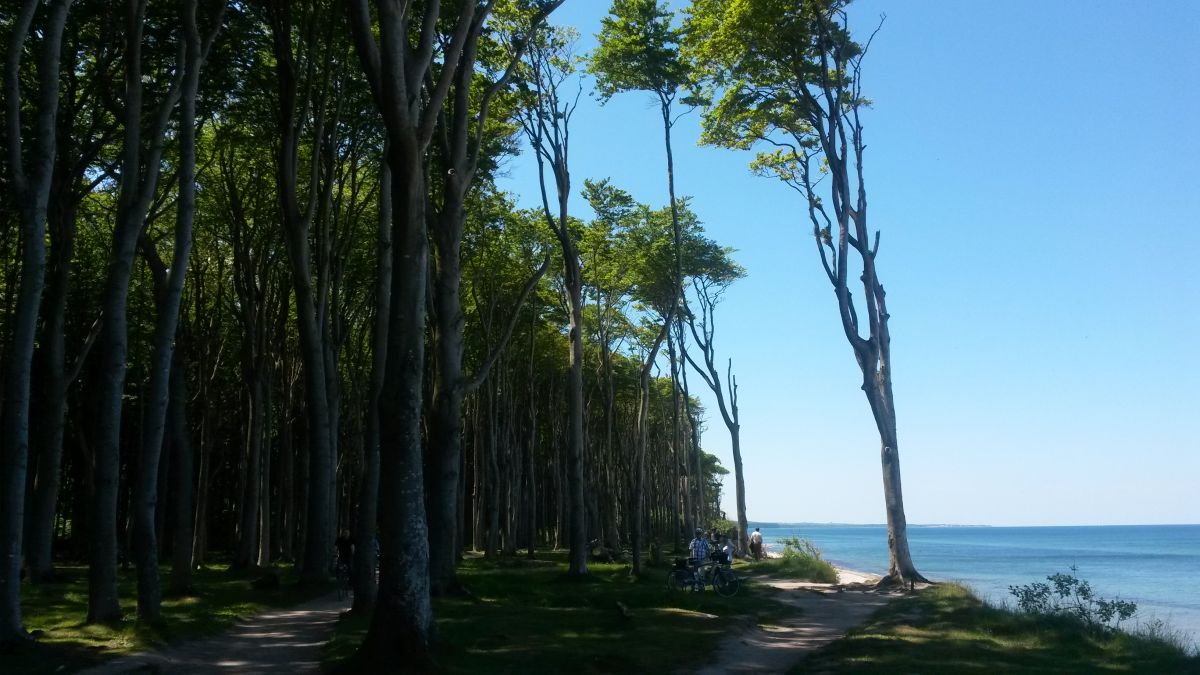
pixel 946 629
pixel 527 617
pixel 66 642
pixel 800 559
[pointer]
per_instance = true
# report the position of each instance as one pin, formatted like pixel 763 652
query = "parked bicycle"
pixel 692 574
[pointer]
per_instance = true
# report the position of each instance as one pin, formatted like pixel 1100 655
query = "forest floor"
pixel 279 641
pixel 525 616
pixel 55 614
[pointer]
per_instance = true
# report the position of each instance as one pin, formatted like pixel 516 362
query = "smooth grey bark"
pixel 702 331
pixel 463 133
pixel 82 90
pixel 368 495
pixel 51 417
pixel 246 550
pixel 643 439
pixel 546 124
pixel 183 490
pixel 297 224
pixel 397 70
pixel 683 491
pixel 169 284
pixel 264 482
pixel 666 99
pixel 832 104
pixel 138 181
pixel 695 461
pixel 32 192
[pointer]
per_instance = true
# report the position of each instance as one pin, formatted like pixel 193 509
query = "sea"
pixel 1156 566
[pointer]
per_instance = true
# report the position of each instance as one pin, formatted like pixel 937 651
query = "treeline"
pixel 259 286
pixel 265 312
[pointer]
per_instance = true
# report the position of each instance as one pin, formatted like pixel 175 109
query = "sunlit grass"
pixel 946 629
pixel 527 617
pixel 56 613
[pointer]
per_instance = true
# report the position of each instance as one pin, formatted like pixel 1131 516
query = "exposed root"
pixel 904 582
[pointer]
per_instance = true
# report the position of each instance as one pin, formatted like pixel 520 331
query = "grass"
pixel 946 629
pixel 800 559
pixel 527 617
pixel 66 643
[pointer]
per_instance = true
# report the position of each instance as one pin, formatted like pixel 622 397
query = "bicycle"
pixel 694 575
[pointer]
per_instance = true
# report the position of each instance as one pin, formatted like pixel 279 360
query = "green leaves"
pixel 639 50
pixel 628 249
pixel 769 60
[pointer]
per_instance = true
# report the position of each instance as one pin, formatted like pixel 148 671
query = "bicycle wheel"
pixel 674 583
pixel 726 583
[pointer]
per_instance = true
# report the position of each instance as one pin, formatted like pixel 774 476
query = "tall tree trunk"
pixel 368 497
pixel 264 482
pixel 52 423
pixel 318 528
pixel 32 194
pixel 184 490
pixel 643 431
pixel 839 139
pixel 696 462
pixel 139 178
pixel 246 553
pixel 726 400
pixel 446 418
pixel 401 628
pixel 155 418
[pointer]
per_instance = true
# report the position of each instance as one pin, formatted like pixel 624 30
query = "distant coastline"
pixel 771 524
pixel 775 524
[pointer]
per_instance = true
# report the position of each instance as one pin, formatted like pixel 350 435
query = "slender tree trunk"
pixel 368 498
pixel 155 418
pixel 318 529
pixel 264 482
pixel 184 490
pixel 51 429
pixel 446 427
pixel 246 553
pixel 494 487
pixel 643 431
pixel 32 195
pixel 136 193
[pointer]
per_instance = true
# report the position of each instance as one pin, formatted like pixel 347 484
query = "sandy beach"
pixel 849 576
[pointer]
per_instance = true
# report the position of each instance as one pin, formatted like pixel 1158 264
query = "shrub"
pixel 800 559
pixel 795 547
pixel 1068 595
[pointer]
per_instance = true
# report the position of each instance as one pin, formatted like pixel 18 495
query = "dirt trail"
pixel 278 641
pixel 827 612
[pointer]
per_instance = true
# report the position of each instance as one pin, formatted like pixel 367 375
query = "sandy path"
pixel 278 641
pixel 827 612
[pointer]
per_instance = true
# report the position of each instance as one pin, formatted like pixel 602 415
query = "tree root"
pixel 897 580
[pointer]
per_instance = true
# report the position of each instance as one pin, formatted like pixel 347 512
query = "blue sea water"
pixel 1156 566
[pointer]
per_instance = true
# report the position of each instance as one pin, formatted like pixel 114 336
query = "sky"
pixel 1033 168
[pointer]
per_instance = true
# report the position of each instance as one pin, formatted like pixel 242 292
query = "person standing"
pixel 699 547
pixel 756 543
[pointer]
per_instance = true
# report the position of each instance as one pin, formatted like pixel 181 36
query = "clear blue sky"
pixel 1034 169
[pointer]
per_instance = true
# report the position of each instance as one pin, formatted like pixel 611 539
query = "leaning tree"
pixel 796 88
